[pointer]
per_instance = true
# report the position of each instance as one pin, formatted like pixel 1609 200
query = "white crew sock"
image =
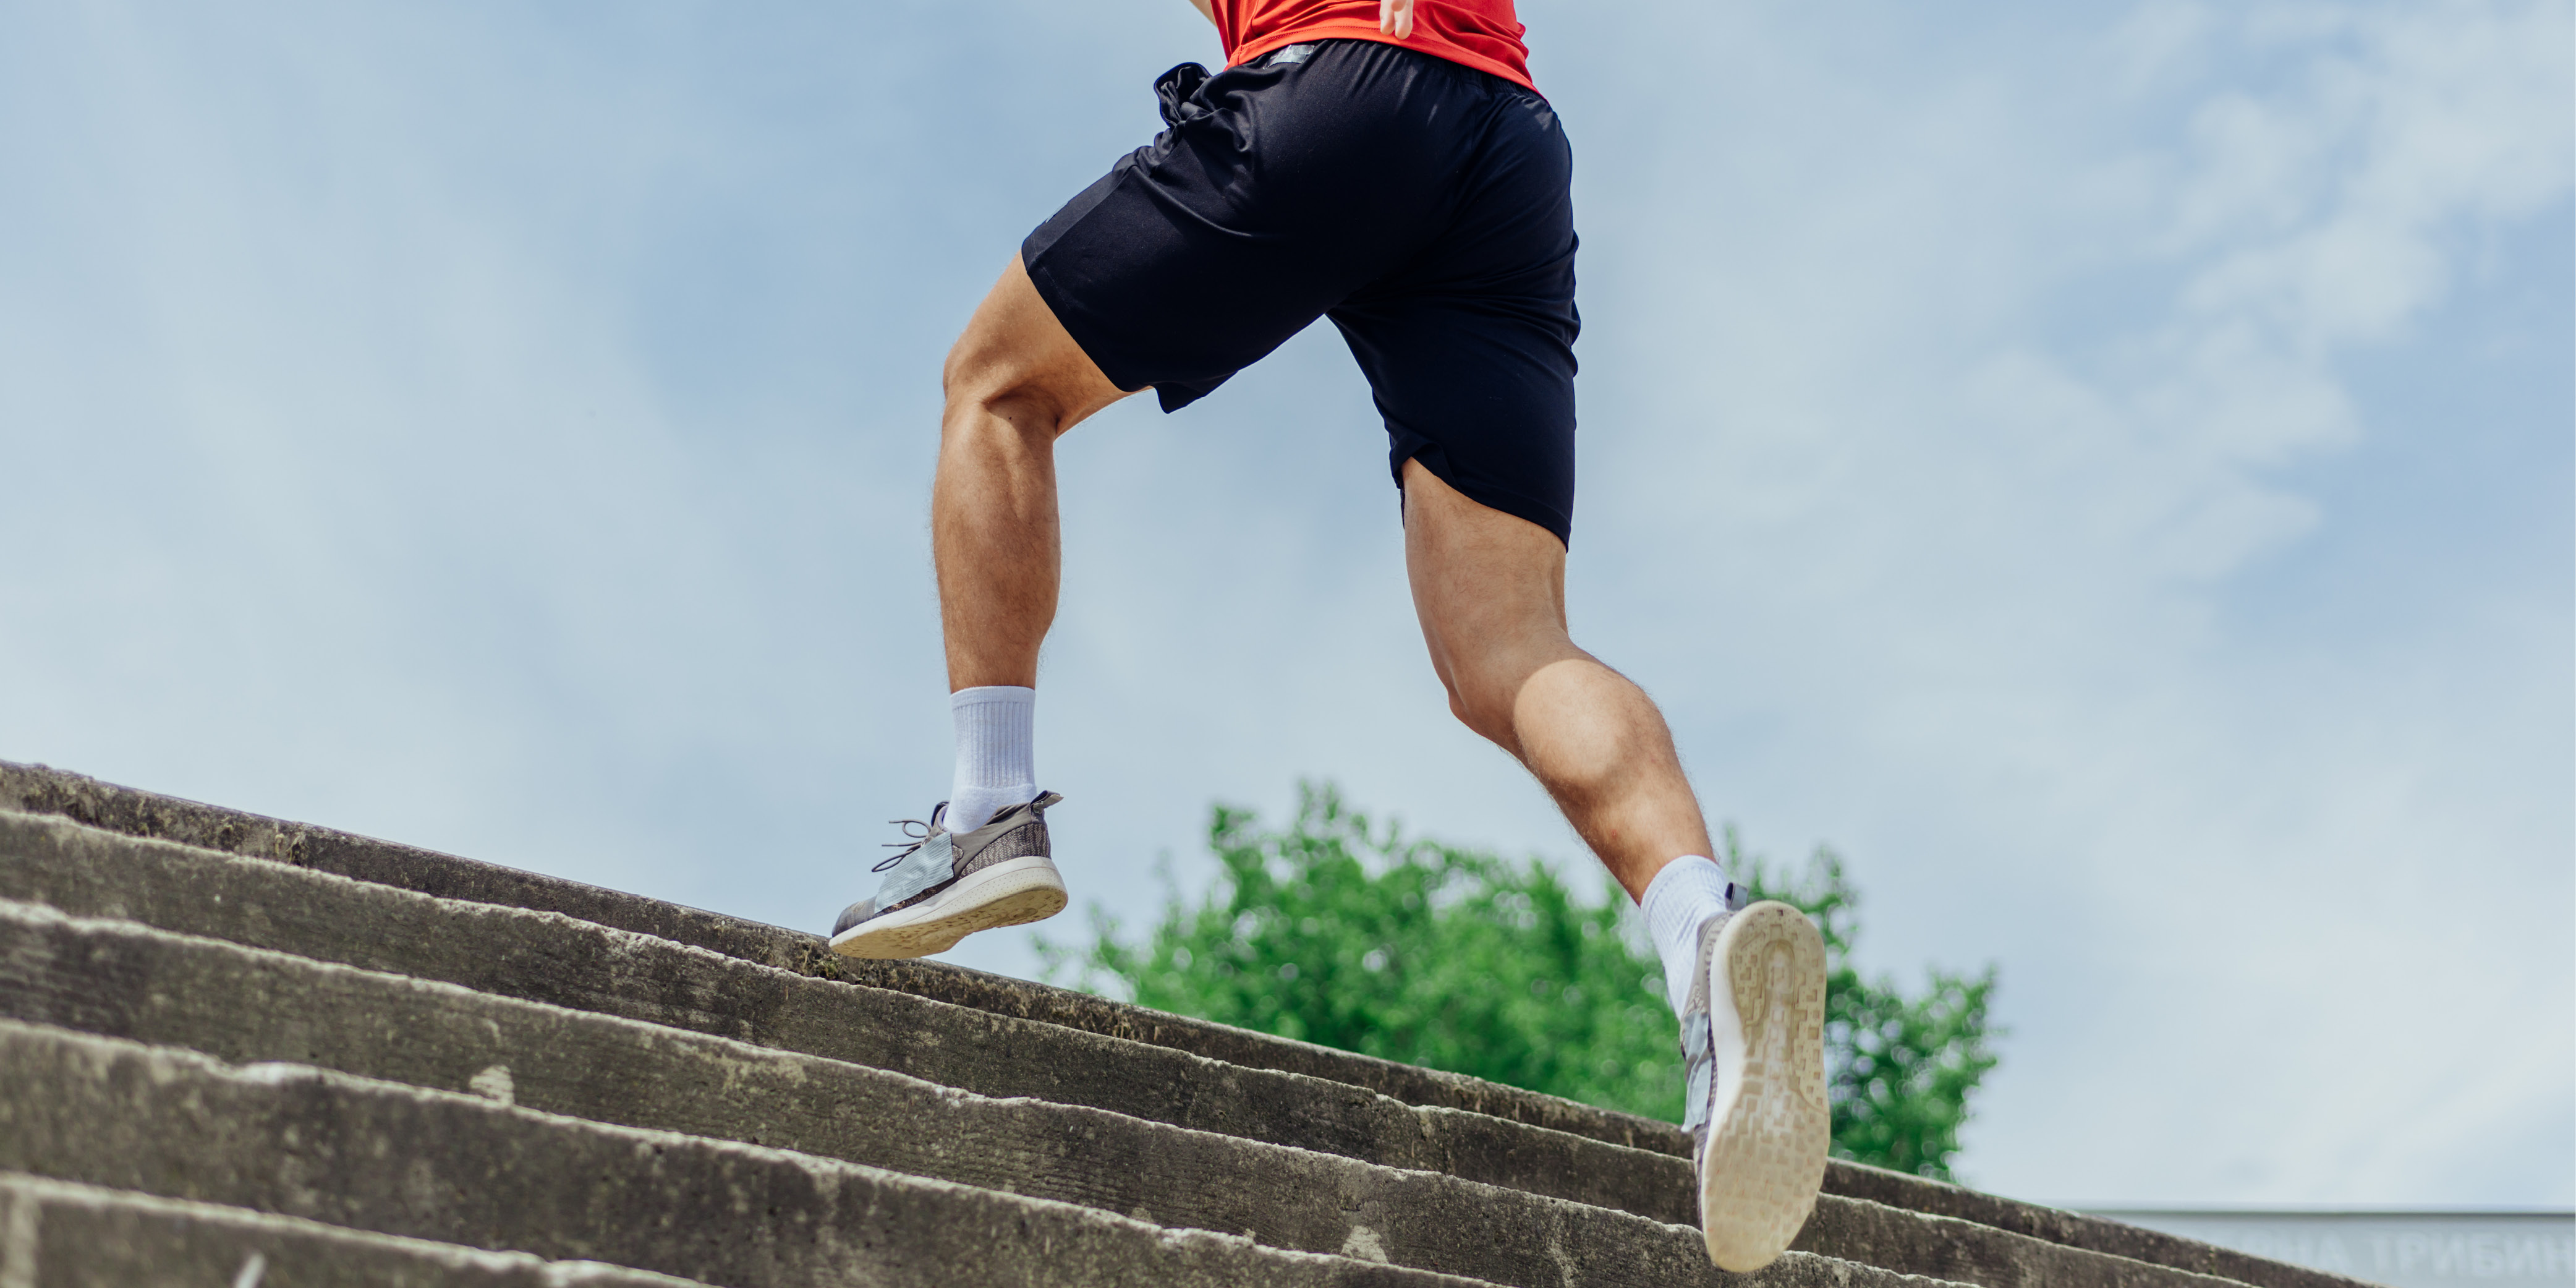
pixel 1680 900
pixel 996 766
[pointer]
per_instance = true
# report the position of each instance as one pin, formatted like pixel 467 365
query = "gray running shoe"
pixel 947 885
pixel 1753 1036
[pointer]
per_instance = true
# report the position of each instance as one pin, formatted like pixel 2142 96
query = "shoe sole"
pixel 1771 1124
pixel 1013 892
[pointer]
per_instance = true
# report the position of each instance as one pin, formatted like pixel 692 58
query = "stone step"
pixel 37 789
pixel 393 1159
pixel 567 962
pixel 1474 1143
pixel 62 1235
pixel 243 1005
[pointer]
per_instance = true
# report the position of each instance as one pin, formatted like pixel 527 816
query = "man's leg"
pixel 1015 381
pixel 1490 590
pixel 1748 986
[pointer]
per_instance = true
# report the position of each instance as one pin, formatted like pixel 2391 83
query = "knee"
pixel 1491 721
pixel 981 380
pixel 1481 701
pixel 1490 677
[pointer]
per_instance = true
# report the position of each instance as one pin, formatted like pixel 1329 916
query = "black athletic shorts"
pixel 1419 204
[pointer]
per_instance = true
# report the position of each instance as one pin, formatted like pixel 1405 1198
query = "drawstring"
pixel 1173 90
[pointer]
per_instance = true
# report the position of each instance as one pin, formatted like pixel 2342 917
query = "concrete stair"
pixel 231 1038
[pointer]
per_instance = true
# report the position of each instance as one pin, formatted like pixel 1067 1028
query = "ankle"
pixel 996 770
pixel 1678 904
pixel 972 807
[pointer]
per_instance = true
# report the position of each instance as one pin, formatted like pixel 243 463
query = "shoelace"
pixel 912 841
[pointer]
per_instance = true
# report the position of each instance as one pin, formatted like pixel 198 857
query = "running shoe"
pixel 945 885
pixel 1753 1039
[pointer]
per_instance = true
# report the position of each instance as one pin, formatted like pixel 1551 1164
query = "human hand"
pixel 1395 18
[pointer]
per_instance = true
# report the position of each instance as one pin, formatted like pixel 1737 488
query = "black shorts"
pixel 1421 205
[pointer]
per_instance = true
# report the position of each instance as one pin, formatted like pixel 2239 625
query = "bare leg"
pixel 1490 590
pixel 1015 382
pixel 1489 587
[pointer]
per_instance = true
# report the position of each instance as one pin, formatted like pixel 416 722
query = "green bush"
pixel 1350 934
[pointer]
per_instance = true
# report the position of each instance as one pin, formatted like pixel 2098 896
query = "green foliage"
pixel 1355 936
pixel 1352 935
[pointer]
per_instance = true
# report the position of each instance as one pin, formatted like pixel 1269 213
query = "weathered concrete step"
pixel 120 979
pixel 55 1234
pixel 41 790
pixel 38 789
pixel 247 1005
pixel 458 1169
pixel 564 961
pixel 2053 1225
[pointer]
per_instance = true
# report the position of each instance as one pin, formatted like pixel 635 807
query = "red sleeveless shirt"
pixel 1482 34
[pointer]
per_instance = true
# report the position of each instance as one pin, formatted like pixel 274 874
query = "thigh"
pixel 1481 395
pixel 1015 352
pixel 1470 347
pixel 1488 587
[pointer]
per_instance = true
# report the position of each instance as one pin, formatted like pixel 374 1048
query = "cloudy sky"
pixel 2105 467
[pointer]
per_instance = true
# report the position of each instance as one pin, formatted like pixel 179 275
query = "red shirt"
pixel 1482 34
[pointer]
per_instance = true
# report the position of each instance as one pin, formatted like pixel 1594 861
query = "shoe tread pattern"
pixel 1765 1162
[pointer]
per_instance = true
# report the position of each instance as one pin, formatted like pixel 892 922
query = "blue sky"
pixel 2104 467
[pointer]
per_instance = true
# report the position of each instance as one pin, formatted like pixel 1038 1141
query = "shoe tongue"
pixel 928 864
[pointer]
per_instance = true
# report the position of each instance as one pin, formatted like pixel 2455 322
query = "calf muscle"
pixel 1490 591
pixel 1014 383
